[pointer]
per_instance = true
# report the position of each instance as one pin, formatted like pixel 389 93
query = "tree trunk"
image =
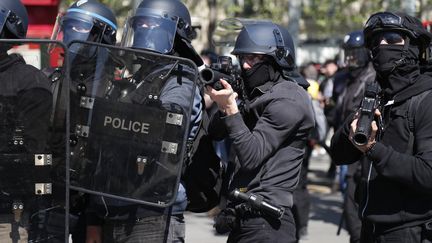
pixel 212 4
pixel 294 11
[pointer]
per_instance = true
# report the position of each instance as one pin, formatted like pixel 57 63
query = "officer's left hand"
pixel 224 98
pixel 372 140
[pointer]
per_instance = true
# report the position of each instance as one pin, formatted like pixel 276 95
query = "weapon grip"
pixel 258 202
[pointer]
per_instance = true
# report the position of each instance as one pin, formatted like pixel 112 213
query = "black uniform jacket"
pixel 269 140
pixel 30 87
pixel 398 188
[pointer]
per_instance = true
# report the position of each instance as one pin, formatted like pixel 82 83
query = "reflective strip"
pixel 97 16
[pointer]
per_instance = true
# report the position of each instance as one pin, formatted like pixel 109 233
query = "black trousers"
pixel 301 207
pixel 351 209
pixel 264 229
pixel 415 234
pixel 302 202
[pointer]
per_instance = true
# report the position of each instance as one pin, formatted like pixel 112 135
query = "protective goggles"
pixel 251 59
pixel 384 19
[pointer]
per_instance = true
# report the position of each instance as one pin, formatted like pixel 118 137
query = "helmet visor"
pixel 12 23
pixel 4 14
pixel 153 33
pixel 356 57
pixel 263 41
pixel 77 29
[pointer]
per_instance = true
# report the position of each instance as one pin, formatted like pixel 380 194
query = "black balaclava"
pixel 397 66
pixel 258 75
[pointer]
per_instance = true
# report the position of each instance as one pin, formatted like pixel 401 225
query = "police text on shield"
pixel 123 124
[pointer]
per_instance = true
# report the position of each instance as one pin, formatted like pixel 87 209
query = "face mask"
pixel 386 58
pixel 396 68
pixel 258 75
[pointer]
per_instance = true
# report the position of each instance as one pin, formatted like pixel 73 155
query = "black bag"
pixel 202 174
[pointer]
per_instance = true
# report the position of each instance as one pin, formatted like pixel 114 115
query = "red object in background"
pixel 42 16
pixel 428 25
pixel 40 2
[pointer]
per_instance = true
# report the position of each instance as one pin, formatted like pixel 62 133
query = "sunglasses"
pixel 390 38
pixel 251 59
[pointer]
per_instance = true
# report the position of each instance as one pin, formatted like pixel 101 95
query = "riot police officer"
pixel 161 27
pixel 26 105
pixel 357 61
pixel 87 21
pixel 396 203
pixel 269 142
pixel 360 71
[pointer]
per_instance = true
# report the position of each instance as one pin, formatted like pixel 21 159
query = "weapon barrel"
pixel 211 77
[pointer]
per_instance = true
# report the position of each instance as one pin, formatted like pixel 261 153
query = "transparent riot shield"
pixel 130 115
pixel 33 147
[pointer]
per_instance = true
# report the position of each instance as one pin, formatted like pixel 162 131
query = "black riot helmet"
pixel 402 23
pixel 87 20
pixel 157 24
pixel 13 19
pixel 272 40
pixel 269 39
pixel 354 51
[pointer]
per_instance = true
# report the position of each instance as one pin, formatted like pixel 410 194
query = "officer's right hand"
pixel 224 98
pixel 372 138
pixel 94 234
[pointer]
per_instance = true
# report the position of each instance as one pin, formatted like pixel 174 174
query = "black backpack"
pixel 414 103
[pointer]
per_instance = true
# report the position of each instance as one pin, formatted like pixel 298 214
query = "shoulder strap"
pixel 412 110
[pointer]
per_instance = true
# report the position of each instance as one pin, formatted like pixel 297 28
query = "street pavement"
pixel 324 216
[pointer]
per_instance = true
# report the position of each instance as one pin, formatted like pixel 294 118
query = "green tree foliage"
pixel 319 18
pixel 275 10
pixel 333 17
